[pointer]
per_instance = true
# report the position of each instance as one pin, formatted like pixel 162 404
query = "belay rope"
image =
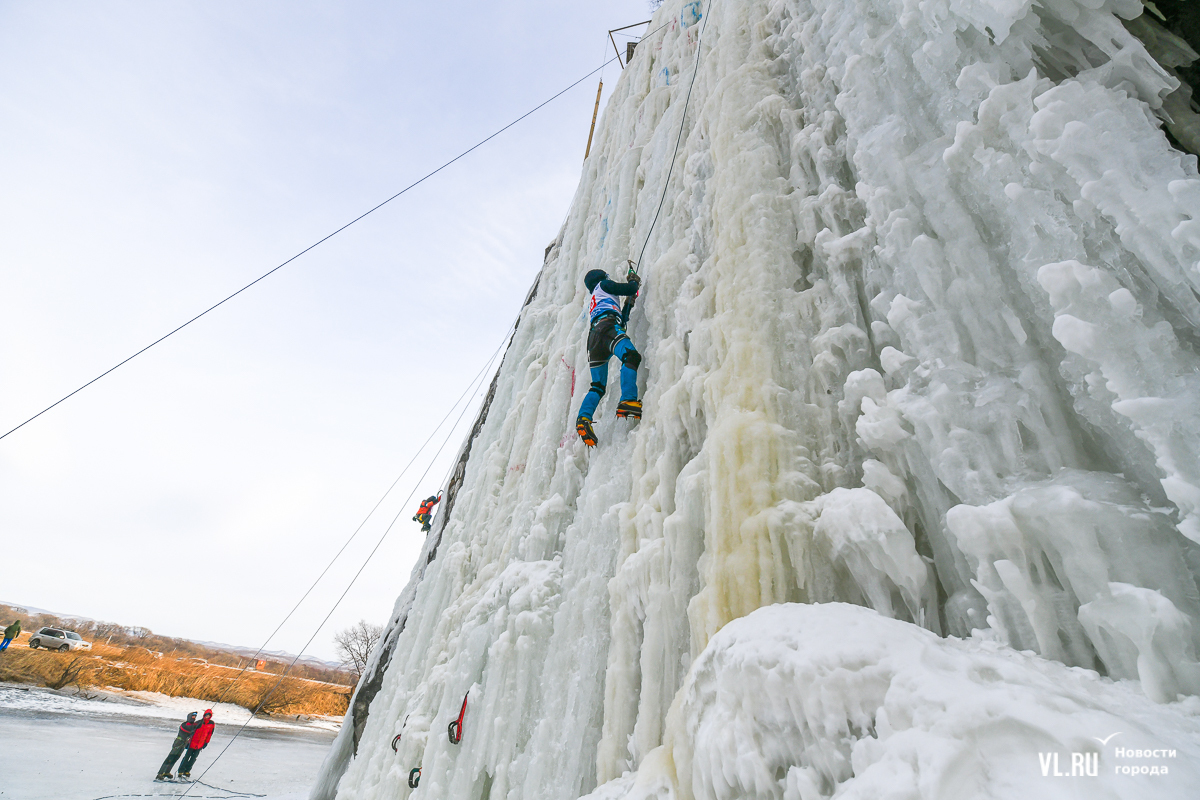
pixel 671 166
pixel 454 730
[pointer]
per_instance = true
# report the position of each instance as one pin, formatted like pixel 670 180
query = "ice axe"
pixel 631 275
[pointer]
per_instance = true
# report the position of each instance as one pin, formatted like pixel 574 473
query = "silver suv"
pixel 58 639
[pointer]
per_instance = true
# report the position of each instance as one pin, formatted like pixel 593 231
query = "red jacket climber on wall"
pixel 425 512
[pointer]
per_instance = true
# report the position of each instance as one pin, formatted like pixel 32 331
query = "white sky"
pixel 155 157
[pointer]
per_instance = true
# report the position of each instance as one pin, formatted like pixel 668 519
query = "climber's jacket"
pixel 427 505
pixel 605 297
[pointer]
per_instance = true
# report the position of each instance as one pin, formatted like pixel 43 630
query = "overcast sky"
pixel 155 157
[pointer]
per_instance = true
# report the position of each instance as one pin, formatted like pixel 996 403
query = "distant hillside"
pixel 138 660
pixel 279 655
pixel 115 634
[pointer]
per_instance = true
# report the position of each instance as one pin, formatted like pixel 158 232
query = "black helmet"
pixel 593 277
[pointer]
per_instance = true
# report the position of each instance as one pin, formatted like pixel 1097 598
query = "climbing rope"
pixel 231 791
pixel 229 794
pixel 471 388
pixel 354 579
pixel 678 139
pixel 311 246
pixel 455 728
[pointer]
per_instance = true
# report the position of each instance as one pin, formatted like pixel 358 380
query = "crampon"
pixel 584 426
pixel 630 408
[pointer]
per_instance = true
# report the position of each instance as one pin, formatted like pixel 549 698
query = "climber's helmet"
pixel 594 277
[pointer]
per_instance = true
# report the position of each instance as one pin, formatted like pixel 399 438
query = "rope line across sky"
pixel 315 244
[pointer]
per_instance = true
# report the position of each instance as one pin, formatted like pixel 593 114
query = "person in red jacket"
pixel 425 512
pixel 182 739
pixel 199 742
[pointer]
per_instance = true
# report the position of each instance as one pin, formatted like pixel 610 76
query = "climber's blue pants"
pixel 607 339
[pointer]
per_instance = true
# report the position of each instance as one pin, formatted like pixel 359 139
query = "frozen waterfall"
pixel 914 509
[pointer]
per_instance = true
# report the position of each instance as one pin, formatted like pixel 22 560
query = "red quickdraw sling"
pixel 454 729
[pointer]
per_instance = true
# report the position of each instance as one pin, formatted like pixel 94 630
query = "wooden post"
pixel 595 112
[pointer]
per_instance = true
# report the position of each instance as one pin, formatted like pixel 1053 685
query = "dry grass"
pixel 137 669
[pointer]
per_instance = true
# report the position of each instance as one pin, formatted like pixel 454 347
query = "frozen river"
pixel 52 748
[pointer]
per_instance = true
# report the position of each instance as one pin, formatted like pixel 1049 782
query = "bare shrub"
pixel 354 645
pixel 77 671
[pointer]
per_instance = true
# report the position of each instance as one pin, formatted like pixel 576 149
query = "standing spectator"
pixel 10 633
pixel 199 742
pixel 182 739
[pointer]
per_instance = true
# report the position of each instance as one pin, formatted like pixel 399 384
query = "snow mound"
pixel 798 702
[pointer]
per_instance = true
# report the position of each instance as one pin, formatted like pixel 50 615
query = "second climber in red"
pixel 425 512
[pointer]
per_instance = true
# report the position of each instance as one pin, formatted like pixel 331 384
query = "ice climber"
pixel 182 739
pixel 607 338
pixel 425 512
pixel 10 633
pixel 198 742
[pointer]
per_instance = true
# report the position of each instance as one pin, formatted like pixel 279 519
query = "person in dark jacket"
pixel 425 512
pixel 607 338
pixel 182 738
pixel 198 742
pixel 10 633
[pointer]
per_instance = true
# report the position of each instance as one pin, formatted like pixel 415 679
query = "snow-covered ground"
pixel 147 704
pixel 57 747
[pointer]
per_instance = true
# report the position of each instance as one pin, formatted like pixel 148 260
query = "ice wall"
pixel 920 331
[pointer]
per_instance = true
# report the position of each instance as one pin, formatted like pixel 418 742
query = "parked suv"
pixel 58 639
